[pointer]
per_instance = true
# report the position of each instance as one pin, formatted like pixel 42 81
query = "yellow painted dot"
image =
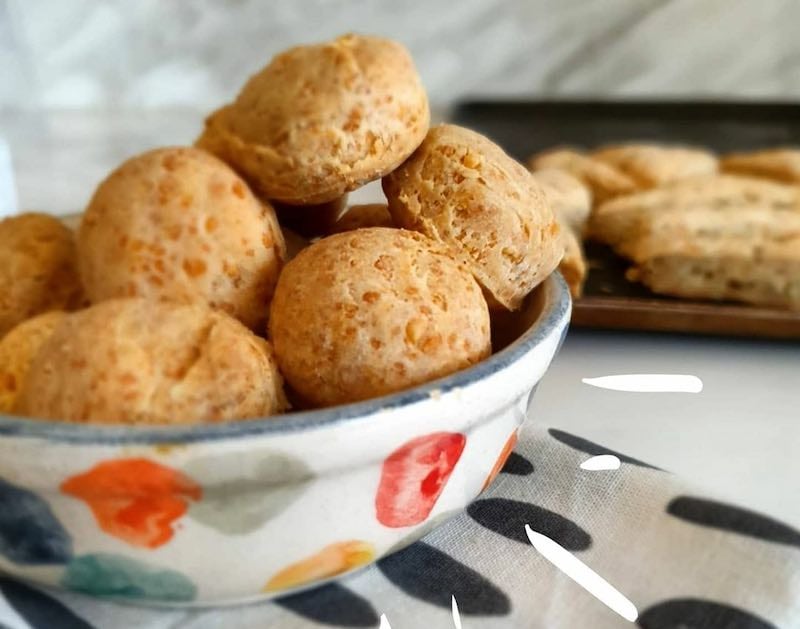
pixel 330 561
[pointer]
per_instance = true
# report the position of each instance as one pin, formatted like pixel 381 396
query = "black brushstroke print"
pixel 332 604
pixel 727 517
pixel 517 465
pixel 38 609
pixel 509 517
pixel 688 613
pixel 428 574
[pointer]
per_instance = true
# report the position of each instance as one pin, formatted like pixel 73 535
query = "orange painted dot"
pixel 508 448
pixel 135 500
pixel 330 561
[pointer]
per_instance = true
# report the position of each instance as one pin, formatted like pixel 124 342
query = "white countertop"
pixel 738 438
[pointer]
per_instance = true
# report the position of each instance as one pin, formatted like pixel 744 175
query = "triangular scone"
pixel 621 221
pixel 751 228
pixel 763 275
pixel 776 164
pixel 605 182
pixel 653 165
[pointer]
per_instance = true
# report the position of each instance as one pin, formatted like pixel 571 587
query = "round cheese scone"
pixel 366 215
pixel 373 311
pixel 462 190
pixel 136 361
pixel 322 120
pixel 38 269
pixel 18 349
pixel 179 224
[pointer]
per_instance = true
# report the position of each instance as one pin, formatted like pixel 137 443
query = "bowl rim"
pixel 556 308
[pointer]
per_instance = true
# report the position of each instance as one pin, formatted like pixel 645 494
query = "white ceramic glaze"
pixel 216 514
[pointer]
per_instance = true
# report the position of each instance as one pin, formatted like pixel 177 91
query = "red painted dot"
pixel 414 476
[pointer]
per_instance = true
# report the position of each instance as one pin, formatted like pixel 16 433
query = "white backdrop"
pixel 155 53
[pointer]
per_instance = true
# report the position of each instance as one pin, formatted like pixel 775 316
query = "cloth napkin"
pixel 682 559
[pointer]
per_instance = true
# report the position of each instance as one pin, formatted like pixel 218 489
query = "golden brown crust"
pixel 373 311
pixel 462 190
pixel 18 348
pixel 604 180
pixel 653 165
pixel 322 120
pixel 570 198
pixel 179 224
pixel 366 215
pixel 777 164
pixel 134 361
pixel 721 199
pixel 38 269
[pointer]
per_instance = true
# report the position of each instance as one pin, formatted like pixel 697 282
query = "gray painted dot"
pixel 246 497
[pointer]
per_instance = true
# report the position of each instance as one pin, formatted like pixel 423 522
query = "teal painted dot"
pixel 107 575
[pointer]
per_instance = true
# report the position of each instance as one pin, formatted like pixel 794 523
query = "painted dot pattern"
pixel 135 500
pixel 141 503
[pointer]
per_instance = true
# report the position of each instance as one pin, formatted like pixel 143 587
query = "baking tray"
pixel 610 301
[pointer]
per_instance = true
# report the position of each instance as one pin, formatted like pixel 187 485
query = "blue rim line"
pixel 556 307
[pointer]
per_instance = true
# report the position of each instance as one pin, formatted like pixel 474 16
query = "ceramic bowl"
pixel 255 509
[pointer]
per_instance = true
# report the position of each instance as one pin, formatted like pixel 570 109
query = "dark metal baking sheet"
pixel 610 301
